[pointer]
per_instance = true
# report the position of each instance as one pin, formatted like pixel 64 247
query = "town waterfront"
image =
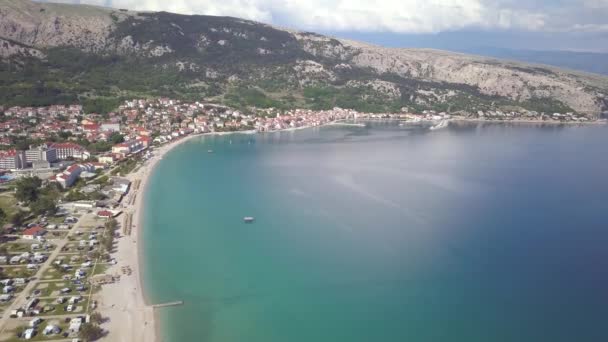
pixel 475 232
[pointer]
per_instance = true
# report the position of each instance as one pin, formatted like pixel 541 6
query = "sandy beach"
pixel 131 316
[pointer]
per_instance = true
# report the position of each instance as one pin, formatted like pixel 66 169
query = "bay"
pixel 477 232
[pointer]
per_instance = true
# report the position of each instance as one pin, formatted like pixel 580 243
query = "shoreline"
pixel 138 218
pixel 132 308
pixel 535 122
pixel 138 310
pixel 514 121
pixel 126 302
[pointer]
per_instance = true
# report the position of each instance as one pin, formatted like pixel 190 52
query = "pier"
pixel 164 305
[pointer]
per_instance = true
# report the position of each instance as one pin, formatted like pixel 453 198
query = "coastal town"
pixel 70 203
pixel 51 142
pixel 69 210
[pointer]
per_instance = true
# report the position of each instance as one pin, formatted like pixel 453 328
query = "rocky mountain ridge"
pixel 122 53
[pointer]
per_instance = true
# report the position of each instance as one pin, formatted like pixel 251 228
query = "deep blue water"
pixel 384 233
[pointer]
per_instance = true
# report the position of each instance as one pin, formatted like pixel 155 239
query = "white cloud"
pixel 403 16
pixel 596 4
pixel 388 15
pixel 593 28
pixel 249 9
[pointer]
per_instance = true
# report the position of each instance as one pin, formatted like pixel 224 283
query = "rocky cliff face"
pixel 514 81
pixel 9 48
pixel 213 55
pixel 50 25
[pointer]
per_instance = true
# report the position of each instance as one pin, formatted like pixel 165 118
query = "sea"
pixel 472 233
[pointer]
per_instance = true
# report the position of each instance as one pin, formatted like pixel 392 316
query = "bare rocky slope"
pixel 88 53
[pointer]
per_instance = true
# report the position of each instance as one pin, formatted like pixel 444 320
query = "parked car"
pixel 34 322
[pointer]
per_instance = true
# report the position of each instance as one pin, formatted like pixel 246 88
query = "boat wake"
pixel 440 125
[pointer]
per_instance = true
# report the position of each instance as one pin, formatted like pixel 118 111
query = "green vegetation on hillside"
pixel 98 82
pixel 243 97
pixel 362 99
pixel 238 62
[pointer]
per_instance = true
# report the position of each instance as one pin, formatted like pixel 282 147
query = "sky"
pixel 575 25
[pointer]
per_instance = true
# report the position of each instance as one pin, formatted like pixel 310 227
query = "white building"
pixel 41 153
pixel 128 147
pixel 71 174
pixel 110 127
pixel 12 160
pixel 70 150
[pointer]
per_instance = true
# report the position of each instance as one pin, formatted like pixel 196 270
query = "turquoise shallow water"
pixel 384 233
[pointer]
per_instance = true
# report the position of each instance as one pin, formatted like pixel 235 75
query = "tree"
pixel 95 254
pixel 59 268
pixel 96 196
pixel 2 217
pixel 64 135
pixel 75 195
pixel 90 332
pixel 111 225
pixel 116 138
pixel 20 331
pixel 100 146
pixel 28 189
pixel 96 318
pixel 22 145
pixel 43 206
pixel 103 180
pixel 107 242
pixel 18 217
pixel 52 190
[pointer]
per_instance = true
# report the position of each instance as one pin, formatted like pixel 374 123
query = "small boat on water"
pixel 441 124
pixel 209 151
pixel 248 219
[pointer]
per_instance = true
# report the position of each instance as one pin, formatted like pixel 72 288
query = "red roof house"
pixel 33 232
pixel 91 127
pixel 105 213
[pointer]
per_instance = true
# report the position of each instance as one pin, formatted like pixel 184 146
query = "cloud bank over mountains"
pixel 399 16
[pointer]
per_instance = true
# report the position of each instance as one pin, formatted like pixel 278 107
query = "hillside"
pixel 65 53
pixel 594 62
